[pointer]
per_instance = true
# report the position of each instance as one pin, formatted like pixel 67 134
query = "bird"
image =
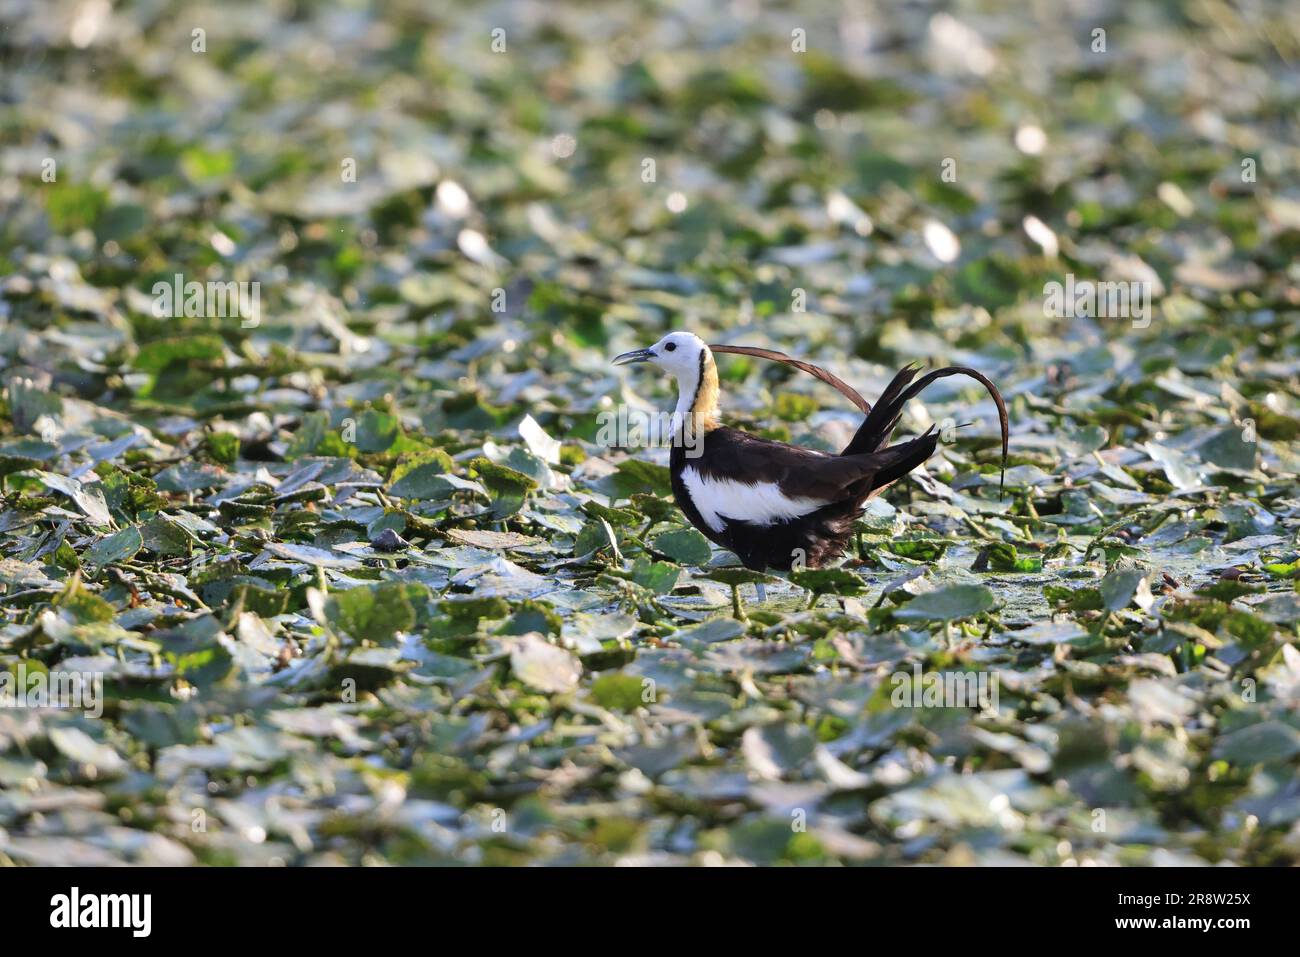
pixel 775 505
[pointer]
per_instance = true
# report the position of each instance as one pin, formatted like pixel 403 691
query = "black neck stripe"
pixel 699 382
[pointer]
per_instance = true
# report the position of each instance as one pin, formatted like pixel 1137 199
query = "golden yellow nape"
pixel 704 410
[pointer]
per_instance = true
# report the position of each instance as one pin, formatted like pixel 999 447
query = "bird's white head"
pixel 677 353
pixel 685 357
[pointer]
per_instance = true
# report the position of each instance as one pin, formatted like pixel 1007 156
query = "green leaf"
pixel 919 550
pixel 1073 599
pixel 535 616
pixel 777 749
pixel 947 604
pixel 618 691
pixel 115 548
pixel 829 581
pixel 793 407
pixel 72 206
pixel 1280 609
pixel 89 499
pixel 636 475
pixel 544 666
pixel 595 537
pixel 224 447
pixel 163 536
pixel 196 653
pixel 76 745
pixel 1265 742
pixel 190 477
pixel 316 436
pixel 659 577
pixel 430 480
pixel 1119 587
pixel 1228 448
pixel 159 354
pixel 377 431
pixel 1002 557
pixel 373 614
pixel 734 576
pixel 684 545
pixel 711 631
pixel 23 575
pixel 201 164
pixel 473 608
pixel 507 488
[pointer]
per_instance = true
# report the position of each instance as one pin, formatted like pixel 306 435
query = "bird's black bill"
pixel 636 355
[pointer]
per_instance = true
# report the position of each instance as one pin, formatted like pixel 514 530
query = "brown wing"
pixel 741 457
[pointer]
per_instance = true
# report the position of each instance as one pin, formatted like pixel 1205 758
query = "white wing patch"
pixel 759 503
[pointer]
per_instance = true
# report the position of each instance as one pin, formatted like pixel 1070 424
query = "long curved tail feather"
pixel 873 434
pixel 846 390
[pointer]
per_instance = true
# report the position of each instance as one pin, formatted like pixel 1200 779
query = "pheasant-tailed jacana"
pixel 777 505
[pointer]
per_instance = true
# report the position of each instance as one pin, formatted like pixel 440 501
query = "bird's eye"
pixel 670 347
